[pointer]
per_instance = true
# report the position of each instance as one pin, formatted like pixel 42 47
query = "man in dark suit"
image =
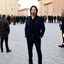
pixel 34 31
pixel 4 32
pixel 62 28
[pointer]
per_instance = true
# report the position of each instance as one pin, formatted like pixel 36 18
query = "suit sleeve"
pixel 7 27
pixel 26 27
pixel 42 28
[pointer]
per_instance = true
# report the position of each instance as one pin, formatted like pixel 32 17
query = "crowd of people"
pixel 22 19
pixel 52 19
pixel 15 19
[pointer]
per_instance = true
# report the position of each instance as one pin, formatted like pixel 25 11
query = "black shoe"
pixel 8 51
pixel 61 45
pixel 30 63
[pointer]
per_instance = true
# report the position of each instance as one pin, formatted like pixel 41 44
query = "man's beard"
pixel 33 14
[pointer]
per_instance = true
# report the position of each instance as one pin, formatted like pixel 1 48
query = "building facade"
pixel 51 7
pixel 24 12
pixel 19 6
pixel 9 7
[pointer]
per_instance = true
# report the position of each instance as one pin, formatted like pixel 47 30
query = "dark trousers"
pixel 54 21
pixel 6 44
pixel 37 41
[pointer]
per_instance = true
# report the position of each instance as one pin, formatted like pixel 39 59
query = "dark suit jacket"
pixel 4 28
pixel 62 26
pixel 39 27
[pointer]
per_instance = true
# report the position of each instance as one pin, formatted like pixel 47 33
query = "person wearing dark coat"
pixel 62 28
pixel 49 19
pixel 14 20
pixel 9 19
pixel 0 17
pixel 54 19
pixel 4 33
pixel 34 31
pixel 23 19
pixel 17 19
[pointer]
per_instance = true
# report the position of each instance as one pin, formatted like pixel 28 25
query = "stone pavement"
pixel 52 54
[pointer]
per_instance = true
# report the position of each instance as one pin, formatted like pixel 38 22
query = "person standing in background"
pixel 62 28
pixel 4 33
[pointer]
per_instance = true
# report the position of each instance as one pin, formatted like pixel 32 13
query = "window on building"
pixel 45 11
pixel 54 8
pixel 57 3
pixel 12 9
pixel 62 3
pixel 62 9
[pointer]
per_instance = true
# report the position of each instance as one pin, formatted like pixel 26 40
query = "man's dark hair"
pixel 3 16
pixel 35 8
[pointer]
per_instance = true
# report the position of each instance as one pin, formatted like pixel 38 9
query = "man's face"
pixel 33 11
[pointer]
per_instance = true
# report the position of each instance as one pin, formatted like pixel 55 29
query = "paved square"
pixel 52 54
